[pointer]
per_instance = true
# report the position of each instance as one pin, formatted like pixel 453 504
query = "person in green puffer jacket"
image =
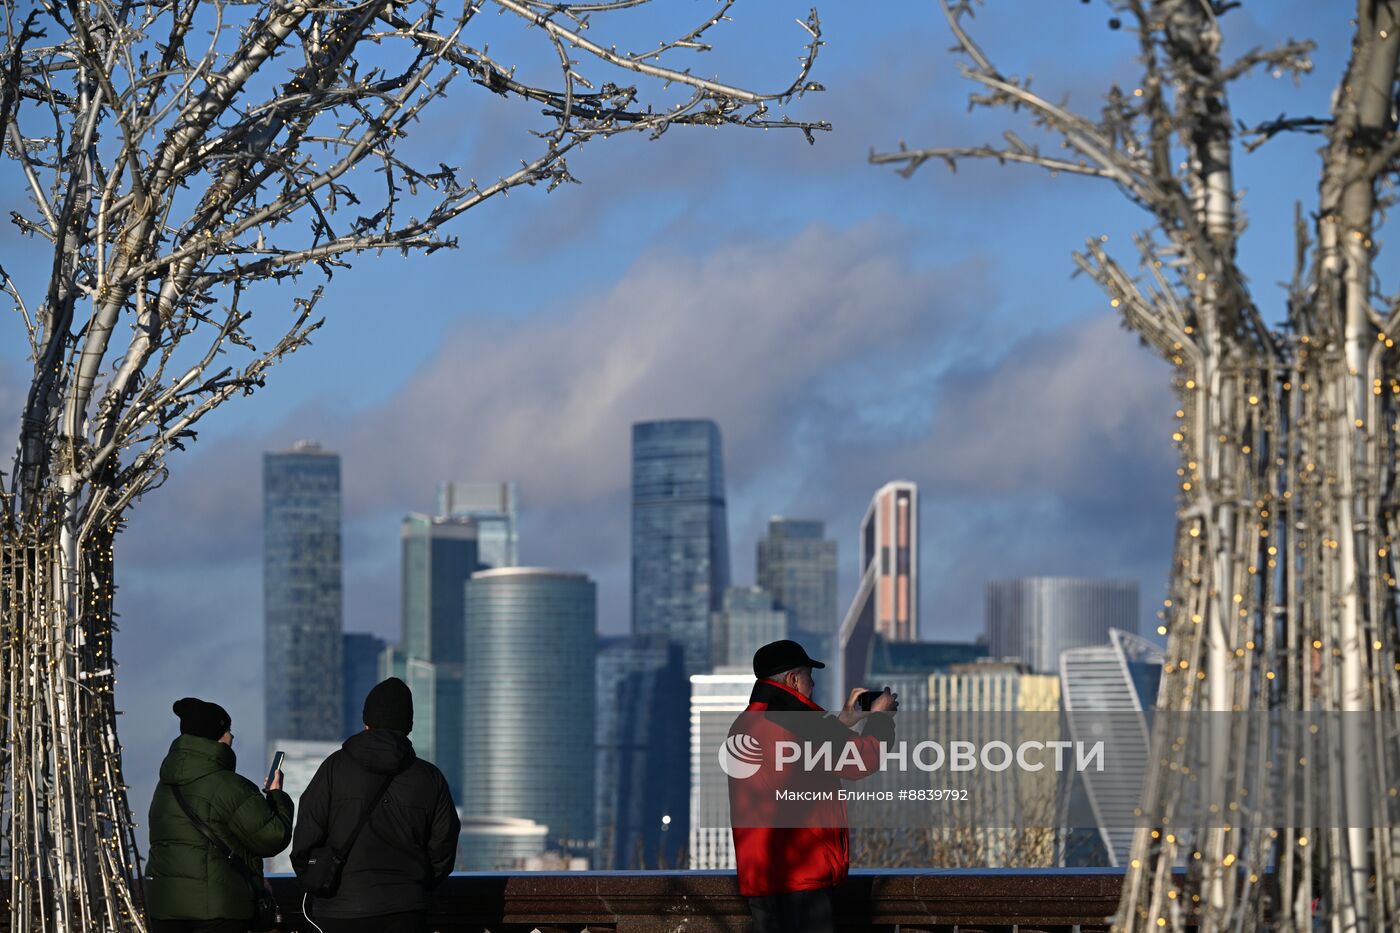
pixel 190 885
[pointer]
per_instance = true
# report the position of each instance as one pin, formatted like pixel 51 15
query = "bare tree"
pixel 183 161
pixel 1282 594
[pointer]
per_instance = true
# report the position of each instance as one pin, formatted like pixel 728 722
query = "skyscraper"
pixel 439 556
pixel 798 567
pixel 680 538
pixel 640 682
pixel 302 600
pixel 1037 618
pixel 889 543
pixel 1005 823
pixel 492 507
pixel 1109 691
pixel 360 653
pixel 887 599
pixel 529 683
pixel 747 622
pixel 714 701
pixel 905 666
pixel 298 768
pixel 421 677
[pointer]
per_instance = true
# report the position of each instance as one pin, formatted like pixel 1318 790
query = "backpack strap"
pixel 364 817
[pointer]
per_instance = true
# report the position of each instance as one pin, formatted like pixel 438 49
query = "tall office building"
pixel 500 843
pixel 1109 691
pixel 889 543
pixel 421 677
pixel 887 599
pixel 680 538
pixel 905 666
pixel 298 768
pixel 532 753
pixel 302 600
pixel 439 556
pixel 1011 821
pixel 1037 618
pixel 715 699
pixel 640 681
pixel 360 653
pixel 492 507
pixel 747 622
pixel 798 566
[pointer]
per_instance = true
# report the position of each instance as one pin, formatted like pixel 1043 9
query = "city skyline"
pixel 879 338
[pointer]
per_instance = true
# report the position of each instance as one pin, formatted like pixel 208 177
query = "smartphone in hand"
pixel 276 766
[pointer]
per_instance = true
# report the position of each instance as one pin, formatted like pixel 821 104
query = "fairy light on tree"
pixel 1288 441
pixel 186 161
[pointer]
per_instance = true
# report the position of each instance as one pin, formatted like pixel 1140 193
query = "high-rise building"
pixel 714 700
pixel 797 565
pixel 1037 618
pixel 640 681
pixel 889 543
pixel 500 843
pixel 680 538
pixel 747 622
pixel 360 653
pixel 905 666
pixel 439 556
pixel 302 600
pixel 887 599
pixel 529 684
pixel 1109 691
pixel 421 677
pixel 1013 822
pixel 298 768
pixel 492 507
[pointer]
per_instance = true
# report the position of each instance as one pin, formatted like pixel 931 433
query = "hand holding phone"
pixel 868 698
pixel 274 774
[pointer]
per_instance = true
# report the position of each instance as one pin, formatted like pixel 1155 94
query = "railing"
pixel 1021 900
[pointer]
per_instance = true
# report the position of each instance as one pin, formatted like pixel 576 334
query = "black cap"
pixel 778 656
pixel 390 706
pixel 201 718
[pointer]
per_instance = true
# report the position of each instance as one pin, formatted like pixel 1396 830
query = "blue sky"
pixel 843 325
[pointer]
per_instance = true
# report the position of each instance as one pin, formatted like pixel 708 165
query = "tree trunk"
pixel 74 860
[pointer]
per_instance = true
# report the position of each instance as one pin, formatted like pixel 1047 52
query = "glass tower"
pixel 492 507
pixel 439 556
pixel 680 538
pixel 302 595
pixel 748 622
pixel 640 680
pixel 798 567
pixel 1037 618
pixel 360 652
pixel 529 685
pixel 887 598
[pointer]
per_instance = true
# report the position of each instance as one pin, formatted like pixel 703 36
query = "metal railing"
pixel 947 901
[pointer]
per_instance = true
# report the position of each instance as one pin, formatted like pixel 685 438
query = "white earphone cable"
pixel 307 914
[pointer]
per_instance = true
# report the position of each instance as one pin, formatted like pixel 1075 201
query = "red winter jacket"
pixel 779 859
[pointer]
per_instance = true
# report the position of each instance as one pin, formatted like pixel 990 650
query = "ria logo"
pixel 740 756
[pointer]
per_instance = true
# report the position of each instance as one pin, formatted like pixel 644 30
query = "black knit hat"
pixel 390 706
pixel 201 718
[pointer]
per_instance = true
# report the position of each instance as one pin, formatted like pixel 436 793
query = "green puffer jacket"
pixel 187 878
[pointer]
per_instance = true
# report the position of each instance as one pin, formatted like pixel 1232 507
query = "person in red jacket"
pixel 791 855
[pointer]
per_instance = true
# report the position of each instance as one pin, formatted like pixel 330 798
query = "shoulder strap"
pixel 218 843
pixel 364 817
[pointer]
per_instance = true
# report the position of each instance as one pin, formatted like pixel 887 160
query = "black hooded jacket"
pixel 410 841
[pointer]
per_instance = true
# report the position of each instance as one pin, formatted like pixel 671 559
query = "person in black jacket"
pixel 408 845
